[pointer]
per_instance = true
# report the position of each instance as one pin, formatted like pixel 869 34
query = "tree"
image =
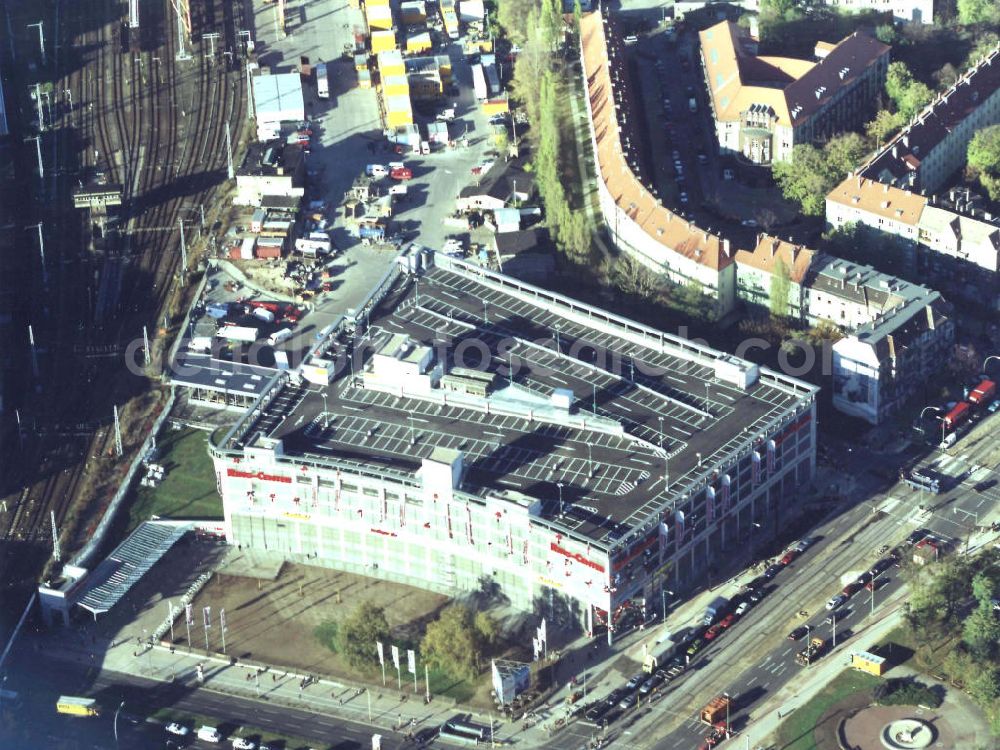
pixel 451 644
pixel 981 632
pixel 983 157
pixel 978 11
pixel 514 16
pixel 983 684
pixel 908 94
pixel 487 629
pixel 780 285
pixel 844 153
pixel 551 23
pixel 886 33
pixel 356 635
pixel 884 125
pixel 806 179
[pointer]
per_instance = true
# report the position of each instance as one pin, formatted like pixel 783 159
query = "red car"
pixel 727 621
pixel 789 556
pixel 713 631
pixel 401 173
pixel 851 589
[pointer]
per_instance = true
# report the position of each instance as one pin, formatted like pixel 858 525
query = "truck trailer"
pixel 76 706
pixel 983 393
pixel 717 710
pixel 479 83
pixel 957 416
pixel 238 333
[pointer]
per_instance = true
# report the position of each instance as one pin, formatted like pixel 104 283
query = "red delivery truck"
pixel 983 393
pixel 957 416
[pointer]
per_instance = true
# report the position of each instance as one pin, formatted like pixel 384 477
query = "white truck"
pixel 322 82
pixel 238 333
pixel 479 83
pixel 200 344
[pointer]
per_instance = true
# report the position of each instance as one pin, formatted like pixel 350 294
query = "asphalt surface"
pixel 753 660
pixel 232 716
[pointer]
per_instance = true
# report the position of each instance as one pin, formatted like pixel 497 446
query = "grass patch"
pixel 797 733
pixel 188 488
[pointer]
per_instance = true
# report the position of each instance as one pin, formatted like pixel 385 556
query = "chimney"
pixel 725 248
pixel 895 151
pixel 885 188
pixel 906 140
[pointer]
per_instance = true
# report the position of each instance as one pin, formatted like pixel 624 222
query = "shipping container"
pixel 238 333
pixel 450 21
pixel 413 11
pixel 269 250
pixel 364 79
pixel 868 662
pixel 258 219
pixel 383 41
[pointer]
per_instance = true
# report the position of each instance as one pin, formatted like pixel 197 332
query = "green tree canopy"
pixel 813 172
pixel 453 642
pixel 984 159
pixel 908 94
pixel 978 11
pixel 780 284
pixel 356 635
pixel 806 179
pixel 884 125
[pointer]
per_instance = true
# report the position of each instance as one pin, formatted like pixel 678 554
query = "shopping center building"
pixel 463 430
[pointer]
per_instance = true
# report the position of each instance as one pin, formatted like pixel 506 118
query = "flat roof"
pixel 130 561
pixel 630 398
pixel 278 96
pixel 201 370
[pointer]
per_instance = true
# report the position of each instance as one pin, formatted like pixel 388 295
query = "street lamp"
pixel 116 721
pixel 992 356
pixel 664 593
pixel 560 486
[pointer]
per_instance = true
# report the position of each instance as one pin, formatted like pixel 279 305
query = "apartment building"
pixel 759 271
pixel 903 11
pixel 636 219
pixel 933 146
pixel 881 206
pixel 888 361
pixel 763 106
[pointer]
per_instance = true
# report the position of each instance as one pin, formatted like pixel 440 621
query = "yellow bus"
pixel 74 706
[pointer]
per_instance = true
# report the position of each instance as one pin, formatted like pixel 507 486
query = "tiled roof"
pixel 883 200
pixel 902 155
pixel 672 231
pixel 769 250
pixel 738 78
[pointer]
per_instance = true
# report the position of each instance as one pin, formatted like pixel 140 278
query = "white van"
pixel 376 170
pixel 209 734
pixel 278 336
pixel 425 147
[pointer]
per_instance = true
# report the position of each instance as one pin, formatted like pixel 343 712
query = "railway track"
pixel 128 108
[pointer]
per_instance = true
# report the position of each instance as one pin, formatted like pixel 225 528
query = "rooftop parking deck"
pixel 637 415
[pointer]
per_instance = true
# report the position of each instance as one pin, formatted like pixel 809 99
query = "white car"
pixel 179 729
pixel 453 246
pixel 743 608
pixel 209 734
pixel 836 602
pixel 242 743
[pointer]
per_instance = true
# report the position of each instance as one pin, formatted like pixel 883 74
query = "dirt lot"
pixel 275 624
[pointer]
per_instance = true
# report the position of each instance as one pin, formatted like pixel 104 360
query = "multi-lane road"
pixel 753 660
pixel 233 716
